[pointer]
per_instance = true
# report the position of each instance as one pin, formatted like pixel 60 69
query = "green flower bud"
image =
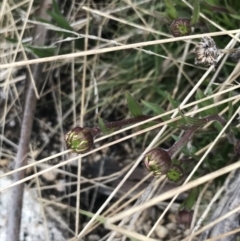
pixel 175 173
pixel 180 27
pixel 184 217
pixel 80 140
pixel 158 161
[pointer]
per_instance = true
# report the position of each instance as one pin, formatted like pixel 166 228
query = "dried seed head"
pixel 175 173
pixel 206 52
pixel 180 27
pixel 184 217
pixel 80 140
pixel 158 161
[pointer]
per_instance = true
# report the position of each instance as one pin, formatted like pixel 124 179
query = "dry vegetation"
pixel 81 70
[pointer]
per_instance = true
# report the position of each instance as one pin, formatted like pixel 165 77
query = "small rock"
pixel 179 231
pixel 187 232
pixel 147 227
pixel 4 162
pixel 161 231
pixel 171 226
pixel 60 185
pixel 93 237
pixel 12 123
pixel 50 175
pixel 172 218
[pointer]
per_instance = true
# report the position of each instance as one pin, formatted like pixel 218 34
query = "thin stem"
pixel 121 123
pixel 230 136
pixel 189 133
pixel 218 118
pixel 115 124
pixel 183 141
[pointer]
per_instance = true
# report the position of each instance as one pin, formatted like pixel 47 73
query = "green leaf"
pixel 173 102
pixel 154 107
pixel 55 7
pixel 196 10
pixel 191 199
pixel 12 40
pixel 43 20
pixel 191 120
pixel 133 106
pixel 218 126
pixel 235 16
pixel 61 21
pixel 162 17
pixel 212 111
pixel 164 94
pixel 41 52
pixel 90 215
pixel 159 110
pixel 103 127
pixel 171 10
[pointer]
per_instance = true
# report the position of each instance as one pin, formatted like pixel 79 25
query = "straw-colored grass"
pixel 128 51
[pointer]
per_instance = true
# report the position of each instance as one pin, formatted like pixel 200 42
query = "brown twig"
pixel 15 203
pixel 125 122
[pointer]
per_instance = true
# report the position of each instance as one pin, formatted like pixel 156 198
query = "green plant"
pixel 181 24
pixel 91 87
pixel 158 161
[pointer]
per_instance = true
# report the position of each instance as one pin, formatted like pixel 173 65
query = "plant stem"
pixel 189 133
pixel 15 203
pixel 183 141
pixel 125 122
pixel 223 122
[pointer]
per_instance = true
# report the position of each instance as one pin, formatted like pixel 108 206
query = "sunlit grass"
pixel 128 49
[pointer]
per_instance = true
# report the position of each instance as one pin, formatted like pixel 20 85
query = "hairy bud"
pixel 175 173
pixel 180 27
pixel 206 52
pixel 184 217
pixel 158 161
pixel 80 140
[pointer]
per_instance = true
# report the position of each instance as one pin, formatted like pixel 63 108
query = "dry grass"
pixel 91 72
